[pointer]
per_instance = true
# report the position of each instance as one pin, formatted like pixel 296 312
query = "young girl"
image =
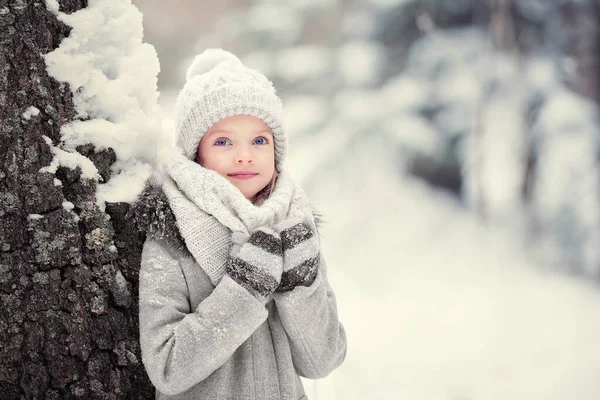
pixel 234 298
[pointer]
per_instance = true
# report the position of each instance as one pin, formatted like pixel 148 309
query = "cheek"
pixel 214 159
pixel 268 160
pixel 210 161
pixel 206 154
pixel 269 154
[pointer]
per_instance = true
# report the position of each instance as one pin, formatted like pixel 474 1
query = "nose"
pixel 243 155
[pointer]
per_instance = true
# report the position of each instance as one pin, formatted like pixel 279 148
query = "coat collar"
pixel 152 216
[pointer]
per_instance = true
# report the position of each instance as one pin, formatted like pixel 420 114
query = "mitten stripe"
pixel 301 252
pixel 259 257
pixel 250 277
pixel 304 275
pixel 266 242
pixel 296 234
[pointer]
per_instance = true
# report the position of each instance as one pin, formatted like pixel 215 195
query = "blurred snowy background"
pixel 452 147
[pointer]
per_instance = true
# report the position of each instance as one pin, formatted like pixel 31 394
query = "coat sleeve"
pixel 310 318
pixel 180 346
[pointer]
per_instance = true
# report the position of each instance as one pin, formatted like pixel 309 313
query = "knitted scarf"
pixel 211 213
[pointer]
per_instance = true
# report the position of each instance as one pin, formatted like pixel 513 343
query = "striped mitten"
pixel 257 264
pixel 300 255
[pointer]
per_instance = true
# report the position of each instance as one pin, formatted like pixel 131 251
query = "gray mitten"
pixel 257 263
pixel 301 254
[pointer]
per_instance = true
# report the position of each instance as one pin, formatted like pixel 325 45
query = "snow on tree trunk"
pixel 497 146
pixel 68 269
pixel 566 197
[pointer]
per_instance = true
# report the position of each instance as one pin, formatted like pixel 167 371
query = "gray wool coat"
pixel 199 341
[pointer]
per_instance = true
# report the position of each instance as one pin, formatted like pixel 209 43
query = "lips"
pixel 242 175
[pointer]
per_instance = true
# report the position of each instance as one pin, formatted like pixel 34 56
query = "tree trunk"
pixel 581 27
pixel 68 297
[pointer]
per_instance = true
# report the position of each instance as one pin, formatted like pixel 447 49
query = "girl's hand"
pixel 257 263
pixel 301 254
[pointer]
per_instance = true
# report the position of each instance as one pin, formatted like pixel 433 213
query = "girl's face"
pixel 240 148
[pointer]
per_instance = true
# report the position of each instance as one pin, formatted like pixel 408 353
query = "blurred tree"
pixel 501 80
pixel 68 271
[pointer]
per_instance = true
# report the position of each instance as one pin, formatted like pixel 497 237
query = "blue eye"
pixel 260 140
pixel 221 142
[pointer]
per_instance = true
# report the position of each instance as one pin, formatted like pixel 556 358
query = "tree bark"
pixel 68 297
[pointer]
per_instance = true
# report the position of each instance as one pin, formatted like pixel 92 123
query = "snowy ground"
pixel 435 305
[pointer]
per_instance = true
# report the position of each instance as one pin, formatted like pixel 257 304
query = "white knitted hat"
pixel 220 86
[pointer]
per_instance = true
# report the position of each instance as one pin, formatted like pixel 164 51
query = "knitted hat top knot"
pixel 208 60
pixel 220 86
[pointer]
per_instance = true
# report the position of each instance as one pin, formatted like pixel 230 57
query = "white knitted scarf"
pixel 209 209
